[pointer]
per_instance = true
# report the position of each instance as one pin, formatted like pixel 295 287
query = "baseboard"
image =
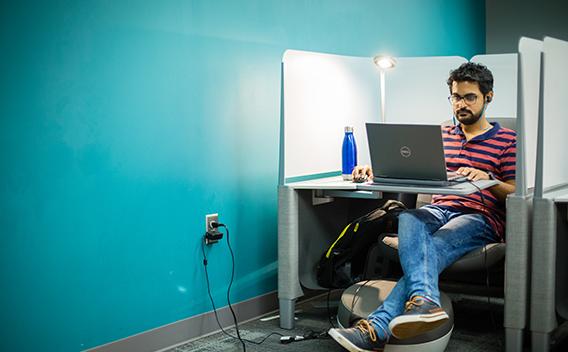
pixel 200 325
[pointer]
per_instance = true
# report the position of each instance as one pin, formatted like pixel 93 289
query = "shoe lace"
pixel 414 301
pixel 367 328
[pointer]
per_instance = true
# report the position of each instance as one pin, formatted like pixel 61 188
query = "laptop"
pixel 409 155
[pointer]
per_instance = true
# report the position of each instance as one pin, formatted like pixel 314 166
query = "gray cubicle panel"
pixel 530 51
pixel 549 272
pixel 555 118
pixel 323 93
pixel 518 231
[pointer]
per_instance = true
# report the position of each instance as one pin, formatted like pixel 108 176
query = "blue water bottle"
pixel 349 154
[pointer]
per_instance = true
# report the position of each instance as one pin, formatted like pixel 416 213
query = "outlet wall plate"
pixel 209 218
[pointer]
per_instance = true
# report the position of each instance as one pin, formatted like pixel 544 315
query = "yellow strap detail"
pixel 338 238
pixel 356 227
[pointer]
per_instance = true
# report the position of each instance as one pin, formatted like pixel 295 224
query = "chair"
pixel 480 272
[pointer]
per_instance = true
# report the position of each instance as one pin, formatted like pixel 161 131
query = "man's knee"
pixel 413 215
pixel 411 221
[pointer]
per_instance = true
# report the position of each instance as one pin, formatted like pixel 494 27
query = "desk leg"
pixel 543 276
pixel 513 340
pixel 517 269
pixel 287 307
pixel 288 255
pixel 540 341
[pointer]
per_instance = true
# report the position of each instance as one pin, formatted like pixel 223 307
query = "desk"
pixel 312 213
pixel 549 282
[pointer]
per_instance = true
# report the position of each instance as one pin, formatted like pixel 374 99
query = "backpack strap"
pixel 337 240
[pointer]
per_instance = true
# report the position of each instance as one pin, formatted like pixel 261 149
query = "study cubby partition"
pixel 323 93
pixel 549 280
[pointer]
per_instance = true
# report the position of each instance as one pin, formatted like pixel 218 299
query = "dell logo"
pixel 405 152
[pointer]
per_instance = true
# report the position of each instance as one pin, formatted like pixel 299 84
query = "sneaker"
pixel 421 315
pixel 362 337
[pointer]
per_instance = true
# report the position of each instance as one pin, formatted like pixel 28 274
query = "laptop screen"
pixel 404 151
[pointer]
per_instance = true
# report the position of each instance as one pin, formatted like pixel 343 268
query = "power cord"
pixel 487 284
pixel 205 262
pixel 353 301
pixel 480 192
pixel 355 295
pixel 217 225
pixel 311 335
pixel 329 316
pixel 487 273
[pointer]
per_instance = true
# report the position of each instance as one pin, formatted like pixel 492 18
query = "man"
pixel 435 236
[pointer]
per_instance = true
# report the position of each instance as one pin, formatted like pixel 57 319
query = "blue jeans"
pixel 430 239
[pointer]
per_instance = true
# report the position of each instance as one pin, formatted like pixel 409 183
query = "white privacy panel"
pixel 555 119
pixel 529 51
pixel 416 89
pixel 323 93
pixel 504 70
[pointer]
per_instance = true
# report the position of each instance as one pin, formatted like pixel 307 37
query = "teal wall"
pixel 124 122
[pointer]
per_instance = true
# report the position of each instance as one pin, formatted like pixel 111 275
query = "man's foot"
pixel 361 337
pixel 421 315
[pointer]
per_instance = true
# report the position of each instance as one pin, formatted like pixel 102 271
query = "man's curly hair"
pixel 472 72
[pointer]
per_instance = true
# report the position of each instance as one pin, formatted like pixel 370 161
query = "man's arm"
pixel 500 190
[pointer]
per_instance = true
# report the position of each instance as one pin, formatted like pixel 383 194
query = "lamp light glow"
pixel 384 62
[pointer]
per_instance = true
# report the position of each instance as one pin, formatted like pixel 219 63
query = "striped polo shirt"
pixel 493 151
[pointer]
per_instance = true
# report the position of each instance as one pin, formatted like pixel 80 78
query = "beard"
pixel 467 117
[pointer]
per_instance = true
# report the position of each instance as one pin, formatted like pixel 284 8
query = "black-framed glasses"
pixel 469 99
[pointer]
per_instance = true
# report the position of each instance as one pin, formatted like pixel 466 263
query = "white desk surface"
pixel 463 188
pixel 562 198
pixel 337 183
pixel 558 194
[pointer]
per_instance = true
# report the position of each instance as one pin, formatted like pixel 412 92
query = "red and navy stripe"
pixel 493 151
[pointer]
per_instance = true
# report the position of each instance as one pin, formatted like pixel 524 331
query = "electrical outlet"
pixel 209 218
pixel 212 235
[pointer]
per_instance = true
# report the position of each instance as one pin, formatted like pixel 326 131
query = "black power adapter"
pixel 212 236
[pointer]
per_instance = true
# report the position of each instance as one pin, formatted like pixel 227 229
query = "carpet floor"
pixel 478 327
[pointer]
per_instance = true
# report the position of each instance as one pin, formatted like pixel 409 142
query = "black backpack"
pixel 343 263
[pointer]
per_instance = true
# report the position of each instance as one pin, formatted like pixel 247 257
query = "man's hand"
pixel 473 174
pixel 362 173
pixel 500 191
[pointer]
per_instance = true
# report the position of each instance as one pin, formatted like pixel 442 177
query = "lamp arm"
pixel 382 78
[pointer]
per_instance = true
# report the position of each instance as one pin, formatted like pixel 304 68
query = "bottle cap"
pixel 348 128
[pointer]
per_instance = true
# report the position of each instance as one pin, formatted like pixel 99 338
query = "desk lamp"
pixel 384 63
